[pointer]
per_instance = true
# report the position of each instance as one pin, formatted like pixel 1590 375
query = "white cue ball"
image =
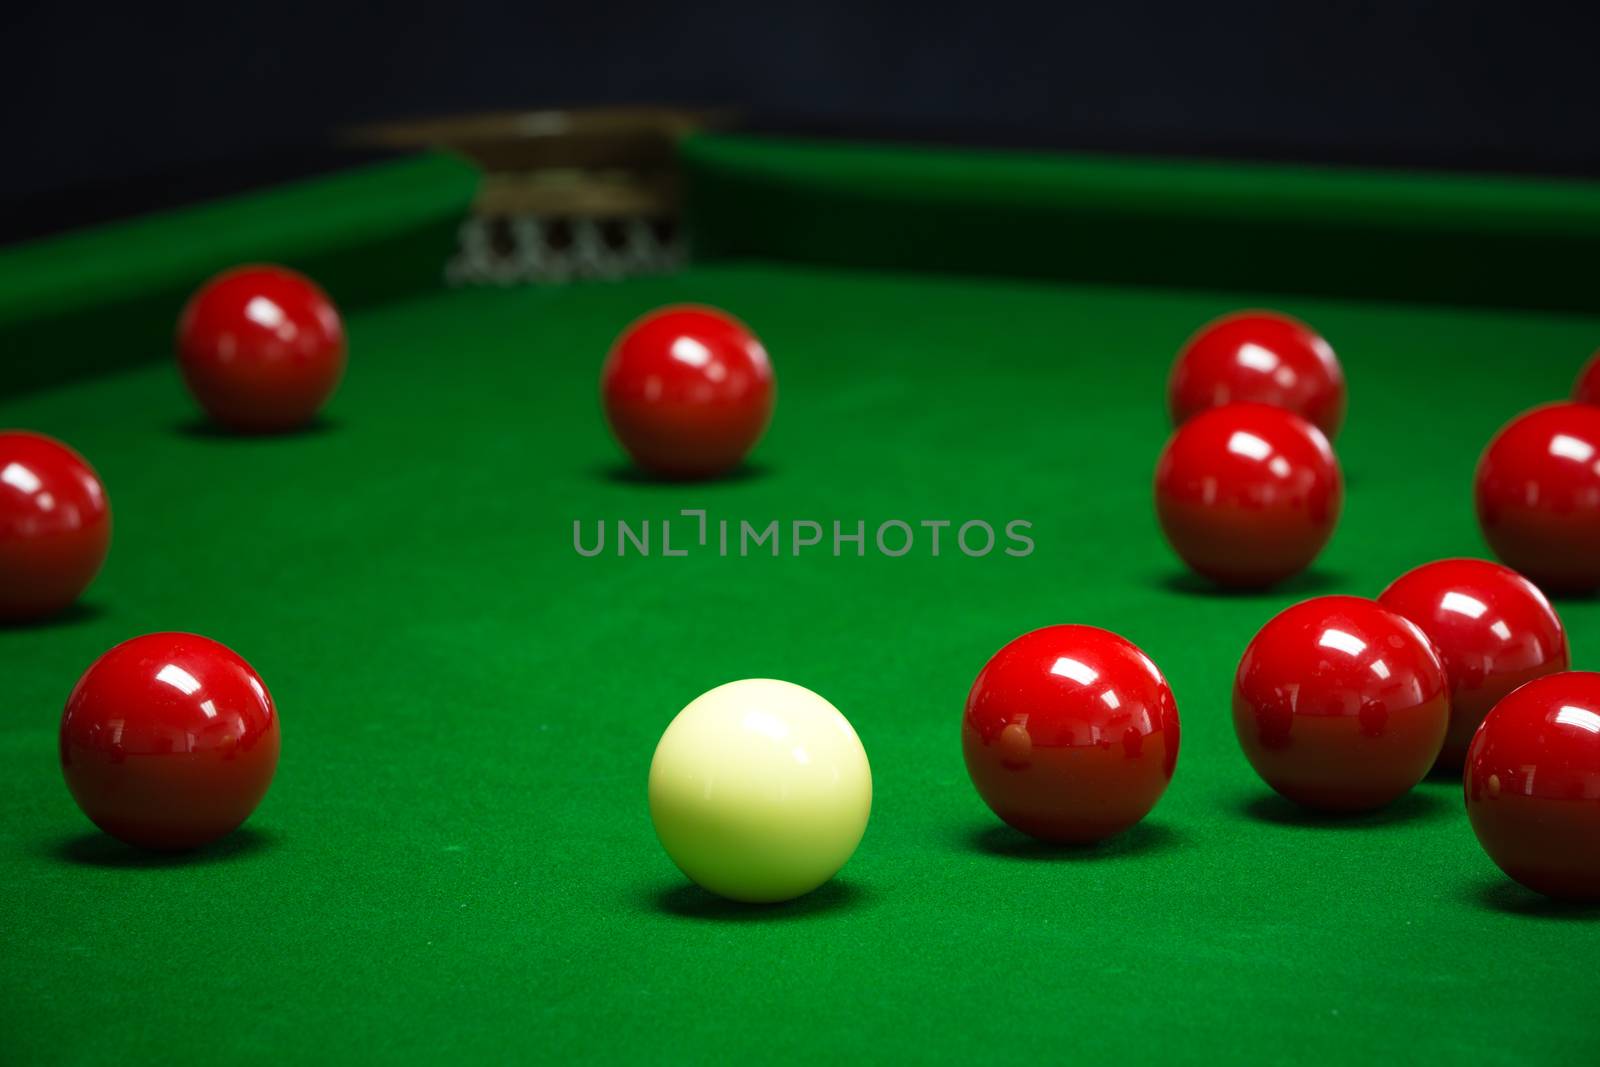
pixel 760 790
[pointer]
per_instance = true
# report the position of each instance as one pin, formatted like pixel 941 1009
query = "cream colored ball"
pixel 760 790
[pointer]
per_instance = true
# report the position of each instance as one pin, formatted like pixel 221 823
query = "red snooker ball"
pixel 1340 704
pixel 261 348
pixel 169 741
pixel 1538 496
pixel 1533 785
pixel 1587 391
pixel 1259 357
pixel 688 391
pixel 1493 629
pixel 1248 494
pixel 55 526
pixel 1070 734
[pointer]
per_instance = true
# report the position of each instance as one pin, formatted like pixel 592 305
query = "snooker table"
pixel 456 860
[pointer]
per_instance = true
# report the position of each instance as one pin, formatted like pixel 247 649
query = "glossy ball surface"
pixel 55 526
pixel 1493 629
pixel 261 348
pixel 1260 357
pixel 760 790
pixel 1538 496
pixel 169 741
pixel 1248 495
pixel 1070 734
pixel 1340 704
pixel 1587 389
pixel 688 391
pixel 1533 785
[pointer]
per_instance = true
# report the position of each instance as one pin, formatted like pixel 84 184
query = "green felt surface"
pixel 1442 238
pixel 455 859
pixel 104 299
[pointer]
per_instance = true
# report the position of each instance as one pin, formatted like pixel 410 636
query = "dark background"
pixel 114 110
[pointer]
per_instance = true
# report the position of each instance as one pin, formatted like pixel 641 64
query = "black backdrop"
pixel 110 110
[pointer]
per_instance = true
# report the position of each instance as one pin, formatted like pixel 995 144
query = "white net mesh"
pixel 522 250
